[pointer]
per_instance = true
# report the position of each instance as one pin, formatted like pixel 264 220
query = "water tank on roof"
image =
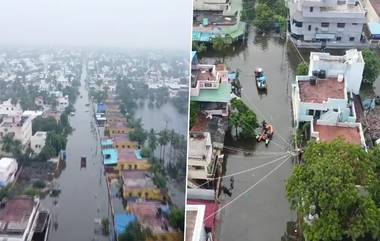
pixel 315 73
pixel 322 74
pixel 313 80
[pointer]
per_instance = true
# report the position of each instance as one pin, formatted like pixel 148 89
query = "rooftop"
pixel 149 215
pixel 222 94
pixel 376 6
pixel 137 179
pixel 210 211
pixel 199 145
pixel 106 142
pixel 110 156
pixel 120 138
pixel 194 221
pixel 322 91
pixel 122 221
pixel 15 215
pixel 330 133
pixel 118 125
pixel 216 126
pixel 130 155
pixel 5 162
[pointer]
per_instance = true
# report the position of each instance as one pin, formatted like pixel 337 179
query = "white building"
pixel 20 127
pixel 8 169
pixel 350 66
pixel 325 100
pixel 7 108
pixel 335 23
pixel 37 141
pixel 62 103
pixel 195 230
pixel 200 158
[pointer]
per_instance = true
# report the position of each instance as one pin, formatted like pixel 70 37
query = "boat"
pixel 265 134
pixel 83 162
pixel 260 78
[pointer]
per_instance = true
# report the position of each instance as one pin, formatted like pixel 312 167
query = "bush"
pixel 302 69
pixel 39 184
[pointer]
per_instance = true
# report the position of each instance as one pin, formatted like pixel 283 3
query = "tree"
pixel 199 47
pixel 163 141
pixel 221 44
pixel 177 218
pixel 194 110
pixel 371 66
pixel 152 140
pixel 138 134
pixel 264 19
pixel 332 186
pixel 135 232
pixel 243 119
pixel 302 69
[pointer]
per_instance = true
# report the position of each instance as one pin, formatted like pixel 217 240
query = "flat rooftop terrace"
pixel 330 133
pixel 322 91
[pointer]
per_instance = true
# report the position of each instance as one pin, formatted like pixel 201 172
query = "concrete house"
pixel 8 169
pixel 329 23
pixel 37 141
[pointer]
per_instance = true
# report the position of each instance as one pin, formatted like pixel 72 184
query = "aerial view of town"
pixel 93 122
pixel 284 125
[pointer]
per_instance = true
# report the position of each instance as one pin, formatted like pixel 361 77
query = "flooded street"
pixel 258 208
pixel 83 197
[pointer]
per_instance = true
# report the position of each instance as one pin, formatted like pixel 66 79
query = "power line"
pixel 244 171
pixel 247 190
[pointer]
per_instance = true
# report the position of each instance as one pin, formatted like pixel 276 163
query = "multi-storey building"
pixel 327 23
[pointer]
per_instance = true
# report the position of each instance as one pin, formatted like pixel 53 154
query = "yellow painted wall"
pixel 133 165
pixel 152 193
pixel 118 131
pixel 125 145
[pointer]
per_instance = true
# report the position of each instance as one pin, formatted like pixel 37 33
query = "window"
pixel 338 38
pixel 310 112
pixel 129 167
pixel 123 146
pixel 352 38
pixel 297 23
pixel 325 25
pixel 311 9
pixel 309 28
pixel 341 25
pixel 135 166
pixel 208 85
pixel 354 23
pixel 335 110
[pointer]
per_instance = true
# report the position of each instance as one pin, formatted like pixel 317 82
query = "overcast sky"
pixel 157 24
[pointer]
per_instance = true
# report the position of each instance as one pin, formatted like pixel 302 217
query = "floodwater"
pixel 84 195
pixel 257 208
pixel 164 116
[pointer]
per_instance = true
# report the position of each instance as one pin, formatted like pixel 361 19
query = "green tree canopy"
pixel 221 44
pixel 177 218
pixel 135 232
pixel 371 66
pixel 243 119
pixel 264 17
pixel 194 110
pixel 335 179
pixel 138 134
pixel 302 69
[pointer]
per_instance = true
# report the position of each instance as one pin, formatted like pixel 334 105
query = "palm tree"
pixel 7 143
pixel 152 140
pixel 163 140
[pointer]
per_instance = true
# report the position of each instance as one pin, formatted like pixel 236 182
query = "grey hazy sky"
pixel 158 24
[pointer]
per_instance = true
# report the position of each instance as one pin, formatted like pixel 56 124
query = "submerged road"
pixel 83 197
pixel 257 208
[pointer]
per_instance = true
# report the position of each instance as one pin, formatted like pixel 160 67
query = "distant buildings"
pixel 139 184
pixel 330 23
pixel 8 169
pixel 20 127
